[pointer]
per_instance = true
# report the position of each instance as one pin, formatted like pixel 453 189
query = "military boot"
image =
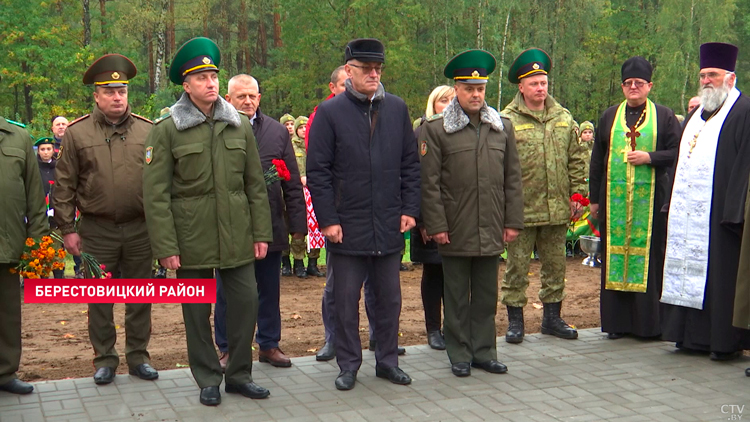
pixel 299 268
pixel 553 324
pixel 312 268
pixel 515 325
pixel 286 266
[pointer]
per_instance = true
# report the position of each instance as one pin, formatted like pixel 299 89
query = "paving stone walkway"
pixel 590 379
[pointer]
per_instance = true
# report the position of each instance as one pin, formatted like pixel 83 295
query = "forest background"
pixel 291 47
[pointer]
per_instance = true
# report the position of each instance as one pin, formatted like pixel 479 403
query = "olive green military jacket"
pixel 100 169
pixel 22 208
pixel 300 154
pixel 204 192
pixel 553 164
pixel 471 181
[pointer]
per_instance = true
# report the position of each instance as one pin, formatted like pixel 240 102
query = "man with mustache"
pixel 707 213
pixel 634 149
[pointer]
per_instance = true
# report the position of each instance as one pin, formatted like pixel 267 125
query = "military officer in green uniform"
pixel 22 215
pixel 207 209
pixel 553 167
pixel 472 205
pixel 99 171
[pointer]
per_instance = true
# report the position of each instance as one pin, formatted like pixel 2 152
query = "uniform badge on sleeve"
pixel 59 152
pixel 149 154
pixel 423 148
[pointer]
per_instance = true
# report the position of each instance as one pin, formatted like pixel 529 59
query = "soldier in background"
pixel 545 131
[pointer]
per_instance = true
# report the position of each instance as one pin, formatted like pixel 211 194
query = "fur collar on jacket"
pixel 379 94
pixel 454 118
pixel 186 115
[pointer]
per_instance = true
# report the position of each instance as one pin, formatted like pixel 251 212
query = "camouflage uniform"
pixel 551 135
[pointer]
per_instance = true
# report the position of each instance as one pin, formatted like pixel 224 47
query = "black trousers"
pixel 10 324
pixel 432 295
pixel 382 273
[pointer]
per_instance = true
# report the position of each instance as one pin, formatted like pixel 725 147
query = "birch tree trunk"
pixel 502 63
pixel 86 23
pixel 161 44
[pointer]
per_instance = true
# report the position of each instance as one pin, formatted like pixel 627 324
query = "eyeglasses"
pixel 638 84
pixel 711 75
pixel 368 69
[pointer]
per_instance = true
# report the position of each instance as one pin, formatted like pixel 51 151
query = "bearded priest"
pixel 706 214
pixel 634 149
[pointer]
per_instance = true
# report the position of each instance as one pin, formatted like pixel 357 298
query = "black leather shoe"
pixel 435 340
pixel 374 345
pixel 250 390
pixel 16 386
pixel 515 331
pixel 210 396
pixel 461 369
pixel 104 375
pixel 326 353
pixel 615 336
pixel 145 371
pixel 724 356
pixel 491 366
pixel 286 267
pixel 395 375
pixel 346 380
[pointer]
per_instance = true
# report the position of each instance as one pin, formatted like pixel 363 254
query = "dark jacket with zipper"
pixel 363 171
pixel 273 144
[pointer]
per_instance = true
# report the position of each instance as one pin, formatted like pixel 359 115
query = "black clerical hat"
pixel 637 67
pixel 719 55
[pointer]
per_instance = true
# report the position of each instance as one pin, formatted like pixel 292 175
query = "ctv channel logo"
pixel 733 411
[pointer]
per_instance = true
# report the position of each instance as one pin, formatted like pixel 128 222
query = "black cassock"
pixel 630 312
pixel 710 329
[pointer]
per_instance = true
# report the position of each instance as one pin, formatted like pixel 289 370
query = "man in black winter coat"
pixel 363 176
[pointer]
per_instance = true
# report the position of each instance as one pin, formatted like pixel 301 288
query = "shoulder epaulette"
pixel 141 117
pixel 16 123
pixel 162 118
pixel 241 112
pixel 435 117
pixel 79 119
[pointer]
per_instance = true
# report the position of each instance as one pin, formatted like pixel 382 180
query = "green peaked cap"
pixel 46 140
pixel 530 62
pixel 471 66
pixel 197 55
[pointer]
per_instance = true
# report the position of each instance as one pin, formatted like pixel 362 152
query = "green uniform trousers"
pixel 299 247
pixel 10 323
pixel 125 251
pixel 550 244
pixel 470 306
pixel 241 291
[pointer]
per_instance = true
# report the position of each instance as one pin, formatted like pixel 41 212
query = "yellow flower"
pixel 30 242
pixel 46 239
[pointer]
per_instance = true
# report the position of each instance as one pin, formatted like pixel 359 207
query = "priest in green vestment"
pixel 634 148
